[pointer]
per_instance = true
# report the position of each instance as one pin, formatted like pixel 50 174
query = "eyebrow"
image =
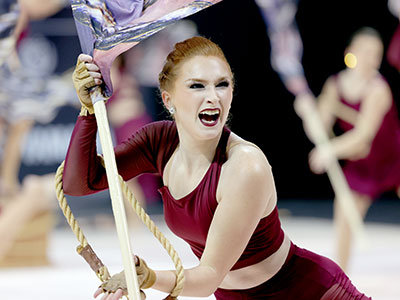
pixel 203 81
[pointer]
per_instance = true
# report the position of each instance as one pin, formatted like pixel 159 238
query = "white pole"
pixel 115 194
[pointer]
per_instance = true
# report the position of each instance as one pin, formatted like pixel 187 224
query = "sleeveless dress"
pixel 379 171
pixel 304 275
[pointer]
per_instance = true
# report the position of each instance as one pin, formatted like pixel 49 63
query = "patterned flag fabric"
pixel 286 43
pixel 28 87
pixel 107 28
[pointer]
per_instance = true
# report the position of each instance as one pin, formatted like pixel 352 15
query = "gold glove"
pixel 146 279
pixel 83 82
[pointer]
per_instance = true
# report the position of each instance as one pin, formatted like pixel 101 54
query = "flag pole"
pixel 115 193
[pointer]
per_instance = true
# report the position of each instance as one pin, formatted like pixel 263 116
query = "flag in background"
pixel 107 28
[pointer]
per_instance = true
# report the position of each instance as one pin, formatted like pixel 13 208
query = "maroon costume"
pixel 393 51
pixel 378 172
pixel 305 275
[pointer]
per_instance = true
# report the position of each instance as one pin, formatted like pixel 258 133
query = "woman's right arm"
pixel 326 103
pixel 83 171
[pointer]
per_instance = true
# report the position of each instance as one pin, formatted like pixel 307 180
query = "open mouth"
pixel 209 117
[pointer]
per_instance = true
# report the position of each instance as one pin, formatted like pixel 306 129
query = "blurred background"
pixel 262 112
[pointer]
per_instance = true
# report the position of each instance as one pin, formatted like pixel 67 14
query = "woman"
pixel 359 100
pixel 218 192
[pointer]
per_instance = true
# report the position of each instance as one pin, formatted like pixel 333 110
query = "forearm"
pixel 350 145
pixel 200 281
pixel 316 123
pixel 83 171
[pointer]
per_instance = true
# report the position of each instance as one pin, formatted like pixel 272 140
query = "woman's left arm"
pixel 246 192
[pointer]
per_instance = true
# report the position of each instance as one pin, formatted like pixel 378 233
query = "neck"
pixel 194 153
pixel 363 74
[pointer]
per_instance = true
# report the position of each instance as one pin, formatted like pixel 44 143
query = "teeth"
pixel 210 112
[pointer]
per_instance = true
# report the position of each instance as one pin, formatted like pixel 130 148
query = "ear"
pixel 348 49
pixel 166 98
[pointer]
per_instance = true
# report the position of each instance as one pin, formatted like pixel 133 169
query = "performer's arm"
pixel 327 103
pixel 306 104
pixel 83 172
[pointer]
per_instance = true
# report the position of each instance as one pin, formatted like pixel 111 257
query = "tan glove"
pixel 83 82
pixel 146 279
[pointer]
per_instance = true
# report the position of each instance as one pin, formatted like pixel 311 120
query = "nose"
pixel 212 95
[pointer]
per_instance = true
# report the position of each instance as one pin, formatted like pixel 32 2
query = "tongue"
pixel 208 118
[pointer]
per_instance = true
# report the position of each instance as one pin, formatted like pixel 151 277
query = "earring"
pixel 350 60
pixel 171 110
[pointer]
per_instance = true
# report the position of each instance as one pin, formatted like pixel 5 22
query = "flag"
pixel 107 28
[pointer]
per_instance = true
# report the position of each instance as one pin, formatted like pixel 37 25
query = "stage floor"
pixel 375 270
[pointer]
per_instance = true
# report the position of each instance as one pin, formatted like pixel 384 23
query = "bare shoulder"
pixel 246 163
pixel 379 93
pixel 380 85
pixel 331 81
pixel 247 174
pixel 242 153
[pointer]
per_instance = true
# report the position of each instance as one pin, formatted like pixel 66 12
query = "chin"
pixel 212 131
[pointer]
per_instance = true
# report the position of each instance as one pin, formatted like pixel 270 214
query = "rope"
pixel 102 271
pixel 145 218
pixel 62 201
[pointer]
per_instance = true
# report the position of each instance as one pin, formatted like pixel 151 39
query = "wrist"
pixel 166 281
pixel 85 111
pixel 150 280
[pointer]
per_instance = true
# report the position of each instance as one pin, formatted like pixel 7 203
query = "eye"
pixel 197 86
pixel 223 84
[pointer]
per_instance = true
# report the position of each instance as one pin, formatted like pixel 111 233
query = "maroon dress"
pixel 379 171
pixel 304 276
pixel 393 51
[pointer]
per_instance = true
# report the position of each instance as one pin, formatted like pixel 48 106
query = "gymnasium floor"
pixel 375 270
